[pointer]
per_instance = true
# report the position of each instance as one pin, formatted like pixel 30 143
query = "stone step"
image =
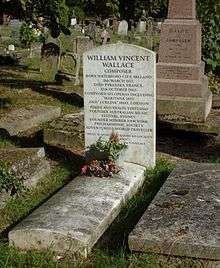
pixel 74 219
pixel 182 219
pixel 28 164
pixel 24 119
pixel 67 132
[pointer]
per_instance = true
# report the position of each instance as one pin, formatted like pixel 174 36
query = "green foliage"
pixel 214 83
pixel 94 8
pixel 134 9
pixel 9 181
pixel 111 148
pixel 29 34
pixel 209 14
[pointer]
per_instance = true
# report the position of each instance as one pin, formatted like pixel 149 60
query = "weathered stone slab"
pixel 211 126
pixel 119 96
pixel 23 119
pixel 27 163
pixel 123 28
pixel 67 131
pixel 216 101
pixel 74 219
pixel 182 219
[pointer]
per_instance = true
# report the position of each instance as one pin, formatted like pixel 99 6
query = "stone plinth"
pixel 180 72
pixel 182 219
pixel 74 218
pixel 179 9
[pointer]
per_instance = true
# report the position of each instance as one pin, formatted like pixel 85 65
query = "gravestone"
pixel 105 36
pixel 119 96
pixel 119 93
pixel 182 87
pixel 91 31
pixel 182 220
pixel 83 44
pixel 28 164
pixel 142 26
pixel 50 59
pixel 123 28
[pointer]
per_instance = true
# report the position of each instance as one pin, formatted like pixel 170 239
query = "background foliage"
pixel 56 16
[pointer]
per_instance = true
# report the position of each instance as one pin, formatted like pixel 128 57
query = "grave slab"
pixel 24 119
pixel 74 219
pixel 182 219
pixel 27 163
pixel 66 131
pixel 211 126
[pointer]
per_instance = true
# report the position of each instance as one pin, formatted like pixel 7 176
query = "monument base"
pixel 184 108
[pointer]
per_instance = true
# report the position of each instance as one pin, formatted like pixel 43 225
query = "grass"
pixel 115 254
pixel 28 97
pixel 4 143
pixel 20 206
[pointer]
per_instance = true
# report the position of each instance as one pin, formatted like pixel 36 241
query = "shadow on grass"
pixel 117 235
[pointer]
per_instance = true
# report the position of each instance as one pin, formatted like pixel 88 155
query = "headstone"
pixel 91 31
pixel 73 21
pixel 83 44
pixel 142 26
pixel 11 47
pixel 105 36
pixel 182 9
pixel 182 220
pixel 123 28
pixel 20 120
pixel 119 96
pixel 50 59
pixel 115 24
pixel 182 88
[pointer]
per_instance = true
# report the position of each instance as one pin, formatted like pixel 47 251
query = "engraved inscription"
pixel 120 96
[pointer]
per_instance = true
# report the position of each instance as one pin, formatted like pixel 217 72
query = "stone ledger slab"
pixel 182 219
pixel 27 163
pixel 24 119
pixel 74 219
pixel 67 131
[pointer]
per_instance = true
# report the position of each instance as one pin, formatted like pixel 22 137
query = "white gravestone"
pixel 123 28
pixel 142 26
pixel 120 96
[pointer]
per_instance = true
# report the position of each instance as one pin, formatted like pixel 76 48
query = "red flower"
pixel 84 169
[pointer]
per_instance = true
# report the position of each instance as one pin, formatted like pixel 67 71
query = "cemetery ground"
pixel 112 249
pixel 20 88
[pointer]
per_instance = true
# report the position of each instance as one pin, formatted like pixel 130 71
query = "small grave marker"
pixel 123 28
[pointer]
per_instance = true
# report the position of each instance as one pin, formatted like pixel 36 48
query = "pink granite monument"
pixel 182 87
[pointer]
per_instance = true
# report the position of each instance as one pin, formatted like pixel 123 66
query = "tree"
pixel 55 14
pixel 94 8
